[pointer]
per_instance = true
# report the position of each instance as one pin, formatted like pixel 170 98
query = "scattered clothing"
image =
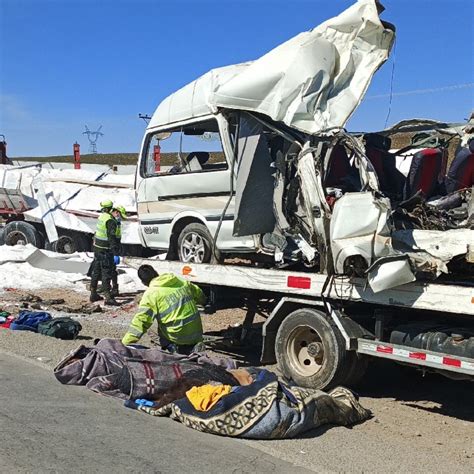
pixel 7 322
pixel 205 397
pixel 29 320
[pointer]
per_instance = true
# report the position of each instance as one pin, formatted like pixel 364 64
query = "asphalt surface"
pixel 48 427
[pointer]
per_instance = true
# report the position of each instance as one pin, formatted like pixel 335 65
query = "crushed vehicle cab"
pixel 263 166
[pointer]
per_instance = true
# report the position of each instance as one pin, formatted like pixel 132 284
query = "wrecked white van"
pixel 312 82
pixel 271 171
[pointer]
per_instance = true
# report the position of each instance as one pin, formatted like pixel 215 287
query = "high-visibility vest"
pixel 101 239
pixel 118 232
pixel 172 301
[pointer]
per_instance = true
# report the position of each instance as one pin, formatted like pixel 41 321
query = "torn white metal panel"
pixel 39 259
pixel 390 272
pixel 314 200
pixel 359 227
pixel 312 82
pixel 443 245
pixel 46 211
pixel 68 195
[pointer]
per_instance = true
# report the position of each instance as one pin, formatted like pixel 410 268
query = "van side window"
pixel 193 148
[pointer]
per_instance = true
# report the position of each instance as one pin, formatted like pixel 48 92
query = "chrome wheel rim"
pixel 193 248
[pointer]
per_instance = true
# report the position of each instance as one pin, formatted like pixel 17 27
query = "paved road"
pixel 48 427
pixel 421 424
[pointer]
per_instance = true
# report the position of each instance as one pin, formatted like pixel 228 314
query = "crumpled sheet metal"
pixel 311 82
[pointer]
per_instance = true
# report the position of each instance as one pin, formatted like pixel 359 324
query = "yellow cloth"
pixel 205 397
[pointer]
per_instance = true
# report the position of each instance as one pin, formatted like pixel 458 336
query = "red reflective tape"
pixel 417 355
pixel 299 282
pixel 385 350
pixel 452 362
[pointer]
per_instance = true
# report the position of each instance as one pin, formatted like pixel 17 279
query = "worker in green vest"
pixel 172 302
pixel 106 247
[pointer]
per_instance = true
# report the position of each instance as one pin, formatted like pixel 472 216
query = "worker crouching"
pixel 172 302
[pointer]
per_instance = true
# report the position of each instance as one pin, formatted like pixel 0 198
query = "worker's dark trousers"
pixel 102 269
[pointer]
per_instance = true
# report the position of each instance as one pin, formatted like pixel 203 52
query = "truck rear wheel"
pixel 70 243
pixel 22 233
pixel 310 350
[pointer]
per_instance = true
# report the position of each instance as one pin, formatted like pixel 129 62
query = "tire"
pixel 302 332
pixel 2 236
pixel 69 243
pixel 195 244
pixel 356 367
pixel 22 233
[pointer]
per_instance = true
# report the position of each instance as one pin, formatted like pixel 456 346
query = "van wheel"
pixel 22 233
pixel 310 350
pixel 195 244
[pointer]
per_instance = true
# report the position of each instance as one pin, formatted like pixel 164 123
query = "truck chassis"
pixel 323 329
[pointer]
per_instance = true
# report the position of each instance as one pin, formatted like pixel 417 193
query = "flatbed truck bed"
pixel 323 329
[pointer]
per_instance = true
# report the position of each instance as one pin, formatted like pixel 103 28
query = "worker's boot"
pixel 94 296
pixel 115 291
pixel 109 300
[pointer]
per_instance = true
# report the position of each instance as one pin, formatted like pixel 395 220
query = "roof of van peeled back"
pixel 311 82
pixel 192 100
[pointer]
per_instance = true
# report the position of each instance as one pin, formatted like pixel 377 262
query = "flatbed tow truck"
pixel 323 329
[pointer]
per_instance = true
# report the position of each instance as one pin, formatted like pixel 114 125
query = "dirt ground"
pixel 432 413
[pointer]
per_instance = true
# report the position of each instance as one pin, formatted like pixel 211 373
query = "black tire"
pixel 310 349
pixel 2 236
pixel 22 233
pixel 195 244
pixel 356 367
pixel 68 243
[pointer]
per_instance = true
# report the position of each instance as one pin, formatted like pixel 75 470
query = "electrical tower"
pixel 93 137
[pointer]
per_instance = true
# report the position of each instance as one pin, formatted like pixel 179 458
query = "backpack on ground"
pixel 61 328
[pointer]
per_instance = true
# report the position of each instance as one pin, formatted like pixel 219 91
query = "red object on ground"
pixel 10 289
pixel 157 157
pixel 6 324
pixel 77 156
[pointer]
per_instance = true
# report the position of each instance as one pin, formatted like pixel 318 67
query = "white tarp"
pixel 312 82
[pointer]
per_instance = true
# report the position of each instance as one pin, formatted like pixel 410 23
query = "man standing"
pixel 106 246
pixel 172 301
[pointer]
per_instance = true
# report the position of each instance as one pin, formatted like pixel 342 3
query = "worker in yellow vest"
pixel 172 302
pixel 106 247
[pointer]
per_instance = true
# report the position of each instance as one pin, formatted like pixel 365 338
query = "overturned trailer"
pixel 58 209
pixel 363 257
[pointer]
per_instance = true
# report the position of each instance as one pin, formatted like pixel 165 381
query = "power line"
pixel 423 91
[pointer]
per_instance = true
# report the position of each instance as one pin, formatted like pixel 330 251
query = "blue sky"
pixel 64 64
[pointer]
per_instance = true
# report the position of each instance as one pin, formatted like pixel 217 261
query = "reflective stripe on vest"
pixel 179 318
pixel 101 239
pixel 118 232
